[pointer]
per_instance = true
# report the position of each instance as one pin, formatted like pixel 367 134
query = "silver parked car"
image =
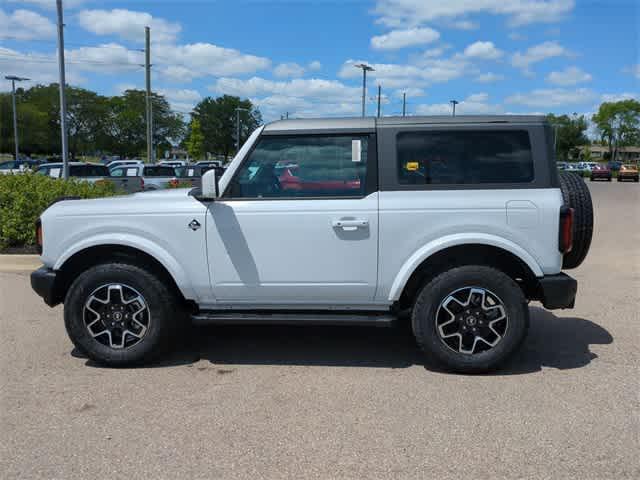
pixel 92 173
pixel 154 177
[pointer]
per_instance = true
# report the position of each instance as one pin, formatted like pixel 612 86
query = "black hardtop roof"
pixel 370 123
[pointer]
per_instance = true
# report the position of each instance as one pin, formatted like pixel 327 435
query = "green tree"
pixel 618 124
pixel 195 140
pixel 217 118
pixel 125 130
pixel 570 134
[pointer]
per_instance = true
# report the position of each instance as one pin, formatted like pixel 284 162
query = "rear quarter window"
pixel 464 157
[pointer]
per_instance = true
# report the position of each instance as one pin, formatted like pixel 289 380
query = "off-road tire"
pixel 423 318
pixel 166 315
pixel 575 194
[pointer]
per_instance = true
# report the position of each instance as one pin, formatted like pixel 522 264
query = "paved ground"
pixel 338 403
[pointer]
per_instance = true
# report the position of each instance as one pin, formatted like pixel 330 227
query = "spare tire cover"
pixel 576 195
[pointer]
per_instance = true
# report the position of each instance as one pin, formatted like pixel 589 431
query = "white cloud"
pixel 411 92
pixel 128 25
pixel 464 25
pixel 475 104
pixel 284 70
pixel 434 52
pixel 569 76
pixel 109 58
pixel 181 100
pixel 299 97
pixel 404 38
pixel 553 97
pixel 422 72
pixel 538 53
pixel 395 13
pixel 26 25
pixel 186 62
pixel 314 65
pixel 516 36
pixel 483 51
pixel 617 97
pixel 489 77
pixel 39 67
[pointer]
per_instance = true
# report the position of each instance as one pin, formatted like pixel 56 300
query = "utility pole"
pixel 15 79
pixel 454 103
pixel 63 100
pixel 404 104
pixel 379 95
pixel 365 68
pixel 238 125
pixel 149 112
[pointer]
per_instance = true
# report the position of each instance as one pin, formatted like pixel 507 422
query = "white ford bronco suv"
pixel 454 222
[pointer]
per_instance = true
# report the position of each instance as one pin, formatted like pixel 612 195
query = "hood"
pixel 158 201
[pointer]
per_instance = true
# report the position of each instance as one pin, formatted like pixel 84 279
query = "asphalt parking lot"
pixel 309 402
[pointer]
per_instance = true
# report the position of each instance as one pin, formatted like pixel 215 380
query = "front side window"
pixel 7 165
pixel 464 157
pixel 159 172
pixel 303 166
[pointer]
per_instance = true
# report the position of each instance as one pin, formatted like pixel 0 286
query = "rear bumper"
pixel 43 282
pixel 558 291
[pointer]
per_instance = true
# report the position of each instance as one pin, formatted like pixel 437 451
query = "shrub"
pixel 23 197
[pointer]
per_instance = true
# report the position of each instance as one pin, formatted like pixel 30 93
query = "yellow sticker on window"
pixel 412 166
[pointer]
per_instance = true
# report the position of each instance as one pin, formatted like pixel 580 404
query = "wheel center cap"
pixel 471 320
pixel 117 316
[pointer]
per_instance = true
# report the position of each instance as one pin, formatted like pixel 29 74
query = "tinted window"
pixel 464 157
pixel 117 172
pixel 159 171
pixel 303 166
pixel 7 165
pixel 88 171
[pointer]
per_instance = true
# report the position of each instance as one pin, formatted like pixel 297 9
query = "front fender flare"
pixel 134 241
pixel 455 240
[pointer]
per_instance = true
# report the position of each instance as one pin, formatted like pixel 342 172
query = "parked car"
pixel 154 177
pixel 573 167
pixel 561 165
pixel 209 163
pixel 92 173
pixel 614 166
pixel 600 172
pixel 628 172
pixel 456 222
pixel 119 163
pixel 173 163
pixel 193 173
pixel 18 166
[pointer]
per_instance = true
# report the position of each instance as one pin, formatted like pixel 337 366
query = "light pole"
pixel 15 79
pixel 454 103
pixel 63 101
pixel 365 68
pixel 238 109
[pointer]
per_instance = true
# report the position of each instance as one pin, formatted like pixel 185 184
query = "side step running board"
pixel 293 318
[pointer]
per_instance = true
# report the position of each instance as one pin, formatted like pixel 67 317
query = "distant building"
pixel 625 154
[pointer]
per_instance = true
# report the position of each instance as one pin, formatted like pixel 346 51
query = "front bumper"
pixel 43 282
pixel 558 291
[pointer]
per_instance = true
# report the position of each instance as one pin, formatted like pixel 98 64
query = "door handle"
pixel 350 225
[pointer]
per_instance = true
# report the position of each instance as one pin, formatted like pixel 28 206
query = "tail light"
pixel 174 182
pixel 39 235
pixel 565 240
pixel 141 183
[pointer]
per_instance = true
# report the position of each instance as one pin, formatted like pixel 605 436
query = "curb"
pixel 19 263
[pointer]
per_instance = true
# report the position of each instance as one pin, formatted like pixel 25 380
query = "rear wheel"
pixel 120 315
pixel 471 319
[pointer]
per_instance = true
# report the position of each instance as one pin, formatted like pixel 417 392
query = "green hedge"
pixel 23 197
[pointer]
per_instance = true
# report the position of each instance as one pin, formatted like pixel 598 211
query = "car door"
pixel 306 239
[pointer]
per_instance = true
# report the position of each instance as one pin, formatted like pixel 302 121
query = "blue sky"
pixel 494 56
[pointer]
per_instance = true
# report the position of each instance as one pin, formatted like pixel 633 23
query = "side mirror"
pixel 210 185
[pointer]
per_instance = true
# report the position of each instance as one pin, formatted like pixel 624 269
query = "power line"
pixel 85 45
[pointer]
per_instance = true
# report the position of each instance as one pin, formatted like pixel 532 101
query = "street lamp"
pixel 15 79
pixel 454 103
pixel 365 68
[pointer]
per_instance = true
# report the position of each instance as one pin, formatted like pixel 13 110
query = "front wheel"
pixel 471 319
pixel 120 315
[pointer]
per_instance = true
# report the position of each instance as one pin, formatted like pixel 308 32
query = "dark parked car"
pixel 614 166
pixel 600 172
pixel 193 173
